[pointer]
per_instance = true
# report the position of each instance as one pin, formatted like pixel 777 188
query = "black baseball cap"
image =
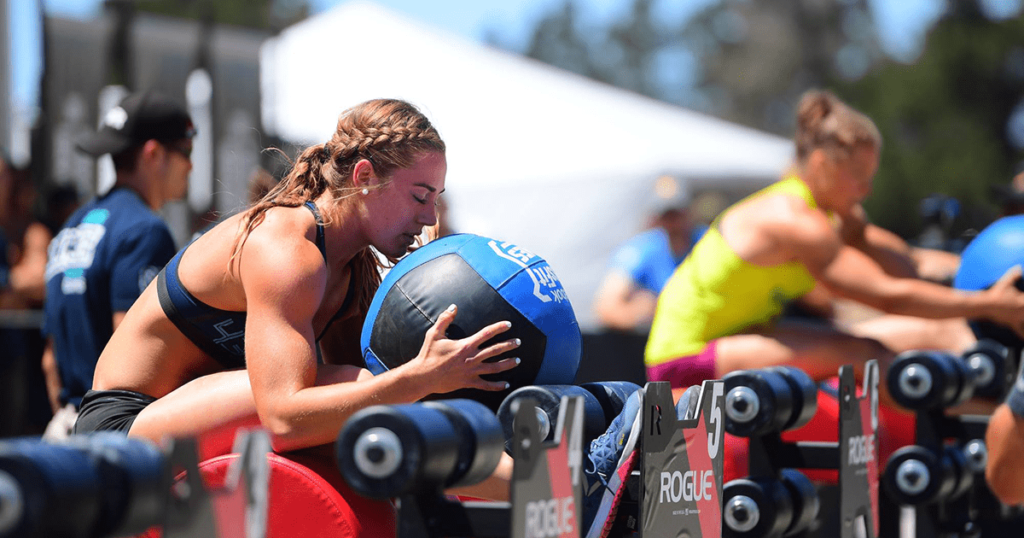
pixel 142 116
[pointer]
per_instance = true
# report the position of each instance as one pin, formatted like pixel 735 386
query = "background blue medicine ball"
pixel 994 251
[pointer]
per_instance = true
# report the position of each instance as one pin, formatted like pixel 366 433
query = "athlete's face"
pixel 178 166
pixel 399 210
pixel 852 178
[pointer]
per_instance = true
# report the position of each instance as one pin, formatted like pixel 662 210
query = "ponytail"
pixel 825 122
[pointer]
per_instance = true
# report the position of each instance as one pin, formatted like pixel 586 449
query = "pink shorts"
pixel 686 371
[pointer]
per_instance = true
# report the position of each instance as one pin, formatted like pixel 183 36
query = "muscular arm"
pixel 1004 439
pixel 853 274
pixel 887 249
pixel 117 318
pixel 284 284
pixel 896 257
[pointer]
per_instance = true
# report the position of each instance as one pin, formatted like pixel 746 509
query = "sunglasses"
pixel 183 148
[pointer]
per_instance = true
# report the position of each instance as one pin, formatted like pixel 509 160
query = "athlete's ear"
pixel 152 151
pixel 818 159
pixel 363 175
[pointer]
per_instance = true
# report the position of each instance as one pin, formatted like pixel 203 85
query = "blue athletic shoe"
pixel 686 407
pixel 612 458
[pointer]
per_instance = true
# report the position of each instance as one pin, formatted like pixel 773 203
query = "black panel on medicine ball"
pixel 420 296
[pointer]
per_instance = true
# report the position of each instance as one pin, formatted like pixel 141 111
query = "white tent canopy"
pixel 557 163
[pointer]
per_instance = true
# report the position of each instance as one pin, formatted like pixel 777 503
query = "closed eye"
pixel 420 200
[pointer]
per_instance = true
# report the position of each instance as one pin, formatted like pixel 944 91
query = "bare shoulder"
pixel 281 251
pixel 775 229
pixel 780 218
pixel 809 227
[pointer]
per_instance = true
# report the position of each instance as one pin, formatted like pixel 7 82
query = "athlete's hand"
pixel 456 364
pixel 1009 300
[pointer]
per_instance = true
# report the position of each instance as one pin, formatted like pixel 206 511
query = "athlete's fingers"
pixel 488 332
pixel 483 384
pixel 497 367
pixel 440 327
pixel 497 349
pixel 1009 278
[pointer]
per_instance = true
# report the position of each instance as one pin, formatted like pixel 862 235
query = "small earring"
pixel 366 191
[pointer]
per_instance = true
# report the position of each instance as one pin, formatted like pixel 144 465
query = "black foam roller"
pixel 774 398
pixel 136 482
pixel 774 511
pixel 806 503
pixel 481 440
pixel 548 399
pixel 59 486
pixel 426 441
pixel 991 358
pixel 964 476
pixel 805 395
pixel 942 381
pixel 904 469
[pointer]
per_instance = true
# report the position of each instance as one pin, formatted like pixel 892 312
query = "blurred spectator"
pixel 1010 197
pixel 23 261
pixel 27 238
pixel 6 194
pixel 628 294
pixel 110 249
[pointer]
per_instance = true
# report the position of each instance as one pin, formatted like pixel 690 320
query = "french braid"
pixel 389 133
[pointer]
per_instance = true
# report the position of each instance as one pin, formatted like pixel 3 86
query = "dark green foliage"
pixel 944 118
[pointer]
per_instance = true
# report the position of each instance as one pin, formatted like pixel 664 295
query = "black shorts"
pixel 110 410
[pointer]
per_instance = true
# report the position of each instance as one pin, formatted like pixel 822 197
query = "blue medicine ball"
pixel 994 251
pixel 490 281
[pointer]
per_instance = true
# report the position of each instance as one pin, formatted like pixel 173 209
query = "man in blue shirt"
pixel 640 267
pixel 111 248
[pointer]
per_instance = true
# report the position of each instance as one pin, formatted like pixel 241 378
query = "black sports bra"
pixel 220 333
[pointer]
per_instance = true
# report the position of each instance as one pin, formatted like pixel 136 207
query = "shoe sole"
pixel 612 496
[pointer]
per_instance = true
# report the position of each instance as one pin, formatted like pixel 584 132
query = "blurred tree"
pixel 756 58
pixel 752 59
pixel 557 42
pixel 629 53
pixel 953 122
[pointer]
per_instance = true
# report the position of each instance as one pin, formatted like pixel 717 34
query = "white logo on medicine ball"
pixel 115 118
pixel 542 276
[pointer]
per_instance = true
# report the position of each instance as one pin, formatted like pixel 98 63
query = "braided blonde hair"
pixel 389 133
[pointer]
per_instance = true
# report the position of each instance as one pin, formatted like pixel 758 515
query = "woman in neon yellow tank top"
pixel 718 313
